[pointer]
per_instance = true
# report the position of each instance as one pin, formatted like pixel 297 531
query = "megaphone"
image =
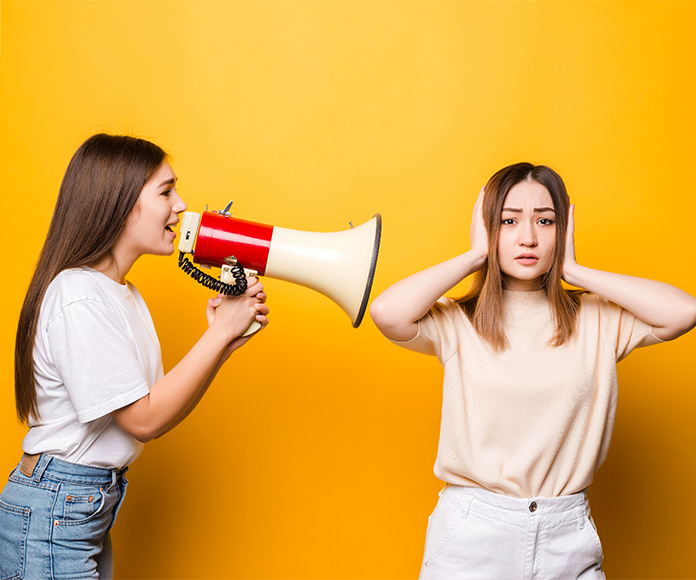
pixel 341 265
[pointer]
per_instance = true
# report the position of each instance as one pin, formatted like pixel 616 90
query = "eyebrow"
pixel 536 209
pixel 170 181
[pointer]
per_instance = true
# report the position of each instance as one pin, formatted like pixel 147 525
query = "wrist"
pixel 572 273
pixel 219 337
pixel 475 258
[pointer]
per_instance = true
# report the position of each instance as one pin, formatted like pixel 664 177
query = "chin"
pixel 522 283
pixel 164 251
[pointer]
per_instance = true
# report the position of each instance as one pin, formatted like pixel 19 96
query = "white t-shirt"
pixel 96 350
pixel 533 420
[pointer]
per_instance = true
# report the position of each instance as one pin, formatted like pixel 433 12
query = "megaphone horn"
pixel 341 265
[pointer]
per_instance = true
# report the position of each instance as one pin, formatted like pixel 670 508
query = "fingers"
pixel 571 222
pixel 215 301
pixel 263 321
pixel 478 236
pixel 254 287
pixel 478 206
pixel 211 306
pixel 570 238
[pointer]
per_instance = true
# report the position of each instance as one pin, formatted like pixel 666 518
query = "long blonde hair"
pixel 483 303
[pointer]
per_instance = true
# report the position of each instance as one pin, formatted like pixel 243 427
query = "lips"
pixel 526 259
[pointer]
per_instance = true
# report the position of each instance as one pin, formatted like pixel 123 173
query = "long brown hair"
pixel 483 303
pixel 100 188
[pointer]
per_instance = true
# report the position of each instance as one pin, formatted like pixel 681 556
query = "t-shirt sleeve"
pixel 96 358
pixel 432 332
pixel 625 330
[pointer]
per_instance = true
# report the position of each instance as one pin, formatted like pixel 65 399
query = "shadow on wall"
pixel 638 494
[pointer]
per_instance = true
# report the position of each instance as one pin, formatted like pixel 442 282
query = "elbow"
pixel 683 324
pixel 391 323
pixel 143 434
pixel 137 428
pixel 140 420
pixel 377 312
pixel 381 315
pixel 688 320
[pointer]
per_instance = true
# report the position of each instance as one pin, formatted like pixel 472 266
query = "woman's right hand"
pixel 233 314
pixel 478 234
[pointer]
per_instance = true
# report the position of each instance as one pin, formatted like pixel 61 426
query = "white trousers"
pixel 475 534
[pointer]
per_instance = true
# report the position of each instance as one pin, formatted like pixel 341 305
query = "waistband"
pixel 546 505
pixel 44 466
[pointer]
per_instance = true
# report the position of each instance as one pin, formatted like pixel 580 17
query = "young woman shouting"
pixel 88 368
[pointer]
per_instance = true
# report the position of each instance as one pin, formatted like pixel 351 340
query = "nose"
pixel 527 235
pixel 179 205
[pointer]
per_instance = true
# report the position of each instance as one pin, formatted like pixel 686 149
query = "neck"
pixel 114 268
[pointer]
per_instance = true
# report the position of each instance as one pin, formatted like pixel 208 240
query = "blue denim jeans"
pixel 54 523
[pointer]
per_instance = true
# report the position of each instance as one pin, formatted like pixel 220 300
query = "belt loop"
pixel 117 476
pixel 580 511
pixel 41 466
pixel 114 478
pixel 465 505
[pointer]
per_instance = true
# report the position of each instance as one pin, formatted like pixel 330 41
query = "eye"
pixel 546 221
pixel 507 221
pixel 166 192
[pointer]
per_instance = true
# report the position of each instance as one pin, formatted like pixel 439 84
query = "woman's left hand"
pixel 569 260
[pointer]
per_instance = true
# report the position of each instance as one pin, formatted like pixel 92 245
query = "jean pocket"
pixel 14 526
pixel 595 542
pixel 80 505
pixel 441 525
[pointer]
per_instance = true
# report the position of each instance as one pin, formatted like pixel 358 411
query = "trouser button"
pixel 533 506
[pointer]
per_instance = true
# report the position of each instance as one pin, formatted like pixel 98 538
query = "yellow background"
pixel 311 456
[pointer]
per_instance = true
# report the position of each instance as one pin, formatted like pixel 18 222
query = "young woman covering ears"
pixel 88 369
pixel 529 381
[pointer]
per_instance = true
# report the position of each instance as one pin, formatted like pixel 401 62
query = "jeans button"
pixel 533 506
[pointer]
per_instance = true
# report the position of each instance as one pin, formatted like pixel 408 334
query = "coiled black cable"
pixel 213 283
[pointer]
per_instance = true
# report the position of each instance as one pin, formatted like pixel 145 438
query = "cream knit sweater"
pixel 533 420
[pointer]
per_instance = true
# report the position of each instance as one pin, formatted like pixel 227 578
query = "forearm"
pixel 670 311
pixel 397 310
pixel 194 403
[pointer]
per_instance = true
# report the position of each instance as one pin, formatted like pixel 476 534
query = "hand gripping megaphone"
pixel 340 265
